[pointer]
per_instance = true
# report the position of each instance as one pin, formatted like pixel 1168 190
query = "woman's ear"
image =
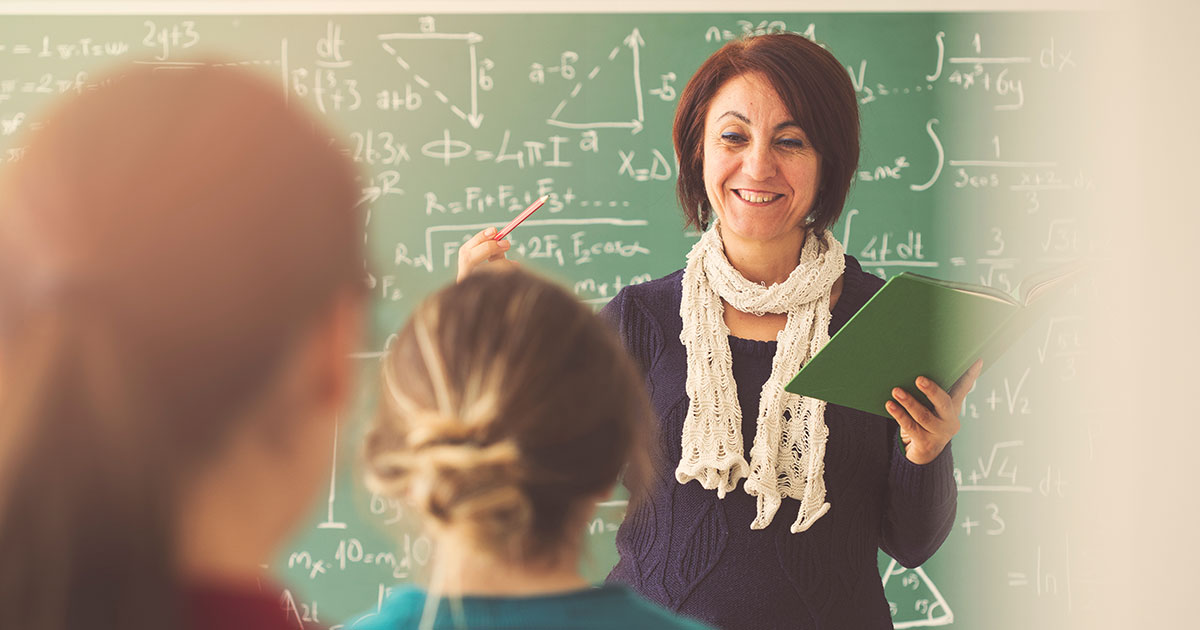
pixel 336 339
pixel 606 494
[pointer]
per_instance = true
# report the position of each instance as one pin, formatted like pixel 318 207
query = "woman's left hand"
pixel 925 433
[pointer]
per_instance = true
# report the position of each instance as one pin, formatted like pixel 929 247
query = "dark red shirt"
pixel 226 606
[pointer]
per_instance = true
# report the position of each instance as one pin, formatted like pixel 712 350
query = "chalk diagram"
pixel 634 43
pixel 930 608
pixel 474 74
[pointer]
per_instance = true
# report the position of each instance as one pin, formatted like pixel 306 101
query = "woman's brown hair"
pixel 164 243
pixel 507 405
pixel 814 87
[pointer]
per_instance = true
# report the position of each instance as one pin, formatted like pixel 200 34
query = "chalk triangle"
pixel 613 82
pixel 455 85
pixel 914 599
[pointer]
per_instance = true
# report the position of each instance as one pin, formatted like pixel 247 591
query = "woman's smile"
pixel 757 197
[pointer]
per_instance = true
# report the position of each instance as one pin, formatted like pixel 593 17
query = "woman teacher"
pixel 768 508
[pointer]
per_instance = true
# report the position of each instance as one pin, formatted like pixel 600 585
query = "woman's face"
pixel 760 172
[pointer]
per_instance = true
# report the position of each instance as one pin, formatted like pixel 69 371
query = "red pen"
pixel 524 215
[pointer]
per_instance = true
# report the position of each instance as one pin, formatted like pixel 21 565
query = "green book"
pixel 920 326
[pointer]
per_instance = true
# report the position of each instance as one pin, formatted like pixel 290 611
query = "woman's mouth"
pixel 756 197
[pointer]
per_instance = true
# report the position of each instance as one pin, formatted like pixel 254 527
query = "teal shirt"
pixel 609 607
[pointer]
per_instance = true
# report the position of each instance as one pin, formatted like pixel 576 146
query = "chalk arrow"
pixel 633 125
pixel 634 39
pixel 635 42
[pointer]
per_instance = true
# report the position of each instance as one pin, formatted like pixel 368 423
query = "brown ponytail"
pixel 82 549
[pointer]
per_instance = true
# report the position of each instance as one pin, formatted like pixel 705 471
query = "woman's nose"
pixel 758 162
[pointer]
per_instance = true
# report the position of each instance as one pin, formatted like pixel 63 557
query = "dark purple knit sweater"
pixel 695 554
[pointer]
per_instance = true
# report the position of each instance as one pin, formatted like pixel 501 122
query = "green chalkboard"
pixel 969 171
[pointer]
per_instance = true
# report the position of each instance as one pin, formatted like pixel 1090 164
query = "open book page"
pixel 1043 283
pixel 1005 336
pixel 973 289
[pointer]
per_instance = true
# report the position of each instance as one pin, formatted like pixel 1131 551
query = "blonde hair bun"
pixel 508 407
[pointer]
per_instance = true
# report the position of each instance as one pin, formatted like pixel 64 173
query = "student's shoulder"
pixel 400 609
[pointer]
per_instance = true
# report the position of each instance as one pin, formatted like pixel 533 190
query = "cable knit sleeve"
pixel 921 504
pixel 639 332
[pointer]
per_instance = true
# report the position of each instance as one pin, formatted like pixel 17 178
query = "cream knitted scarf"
pixel 787 458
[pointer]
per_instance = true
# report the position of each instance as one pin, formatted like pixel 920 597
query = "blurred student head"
pixel 509 409
pixel 180 285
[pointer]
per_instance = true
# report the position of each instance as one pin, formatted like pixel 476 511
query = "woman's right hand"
pixel 481 249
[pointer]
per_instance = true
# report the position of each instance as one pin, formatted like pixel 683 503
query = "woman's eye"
pixel 730 136
pixel 792 143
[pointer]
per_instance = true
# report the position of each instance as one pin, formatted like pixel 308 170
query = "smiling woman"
pixel 794 497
